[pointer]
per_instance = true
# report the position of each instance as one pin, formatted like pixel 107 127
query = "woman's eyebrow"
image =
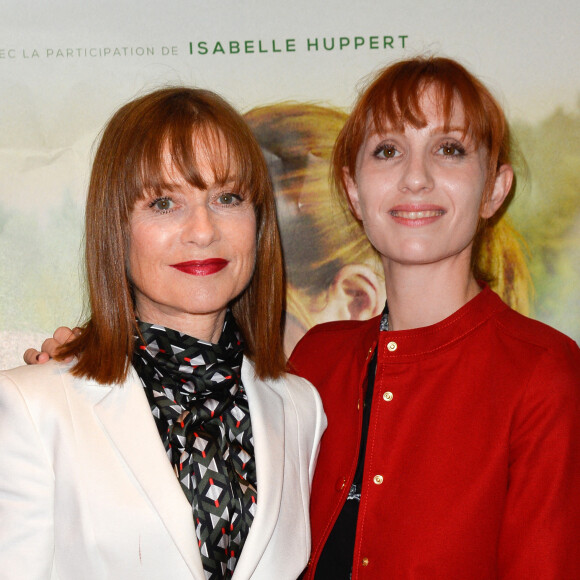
pixel 450 129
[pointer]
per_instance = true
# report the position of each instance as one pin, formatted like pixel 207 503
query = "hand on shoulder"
pixel 50 346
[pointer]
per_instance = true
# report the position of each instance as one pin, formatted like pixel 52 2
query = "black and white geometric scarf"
pixel 201 410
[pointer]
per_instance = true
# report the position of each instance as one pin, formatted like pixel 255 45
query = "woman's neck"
pixel 206 327
pixel 421 295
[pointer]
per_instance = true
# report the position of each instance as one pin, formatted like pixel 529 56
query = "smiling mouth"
pixel 417 215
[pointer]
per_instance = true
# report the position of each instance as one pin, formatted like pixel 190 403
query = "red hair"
pixel 393 99
pixel 189 124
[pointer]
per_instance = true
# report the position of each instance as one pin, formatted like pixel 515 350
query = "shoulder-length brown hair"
pixel 189 124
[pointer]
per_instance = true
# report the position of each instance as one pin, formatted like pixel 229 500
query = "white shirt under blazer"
pixel 88 493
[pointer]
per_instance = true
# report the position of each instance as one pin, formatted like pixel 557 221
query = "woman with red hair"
pixel 453 446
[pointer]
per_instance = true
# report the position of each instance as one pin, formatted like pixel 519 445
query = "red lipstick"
pixel 201 267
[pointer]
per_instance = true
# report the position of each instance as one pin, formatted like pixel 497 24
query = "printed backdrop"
pixel 66 66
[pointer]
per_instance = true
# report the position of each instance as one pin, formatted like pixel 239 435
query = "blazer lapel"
pixel 267 417
pixel 126 417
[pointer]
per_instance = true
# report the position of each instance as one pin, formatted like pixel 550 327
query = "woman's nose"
pixel 416 177
pixel 199 226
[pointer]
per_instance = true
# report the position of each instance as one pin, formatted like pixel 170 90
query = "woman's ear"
pixel 356 293
pixel 352 192
pixel 501 188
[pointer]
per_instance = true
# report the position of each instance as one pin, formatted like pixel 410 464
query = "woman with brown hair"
pixel 174 444
pixel 453 441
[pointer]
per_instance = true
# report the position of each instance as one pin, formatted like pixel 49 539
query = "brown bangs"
pixel 395 101
pixel 195 139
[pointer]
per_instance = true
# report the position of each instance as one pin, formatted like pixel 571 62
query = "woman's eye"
pixel 229 199
pixel 162 204
pixel 452 149
pixel 386 152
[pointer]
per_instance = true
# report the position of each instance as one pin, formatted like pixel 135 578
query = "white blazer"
pixel 87 492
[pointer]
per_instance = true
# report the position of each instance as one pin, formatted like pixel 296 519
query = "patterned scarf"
pixel 201 411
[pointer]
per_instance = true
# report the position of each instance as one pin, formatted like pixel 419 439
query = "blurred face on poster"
pixel 333 273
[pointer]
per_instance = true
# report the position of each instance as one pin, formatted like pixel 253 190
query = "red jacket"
pixel 472 466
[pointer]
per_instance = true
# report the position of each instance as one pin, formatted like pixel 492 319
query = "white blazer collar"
pixel 126 416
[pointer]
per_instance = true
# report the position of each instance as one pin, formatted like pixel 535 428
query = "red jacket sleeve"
pixel 541 527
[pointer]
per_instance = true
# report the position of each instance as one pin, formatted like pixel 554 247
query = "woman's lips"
pixel 201 267
pixel 416 216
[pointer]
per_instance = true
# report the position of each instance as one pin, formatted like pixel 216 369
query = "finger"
pixel 63 334
pixel 50 347
pixel 33 357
